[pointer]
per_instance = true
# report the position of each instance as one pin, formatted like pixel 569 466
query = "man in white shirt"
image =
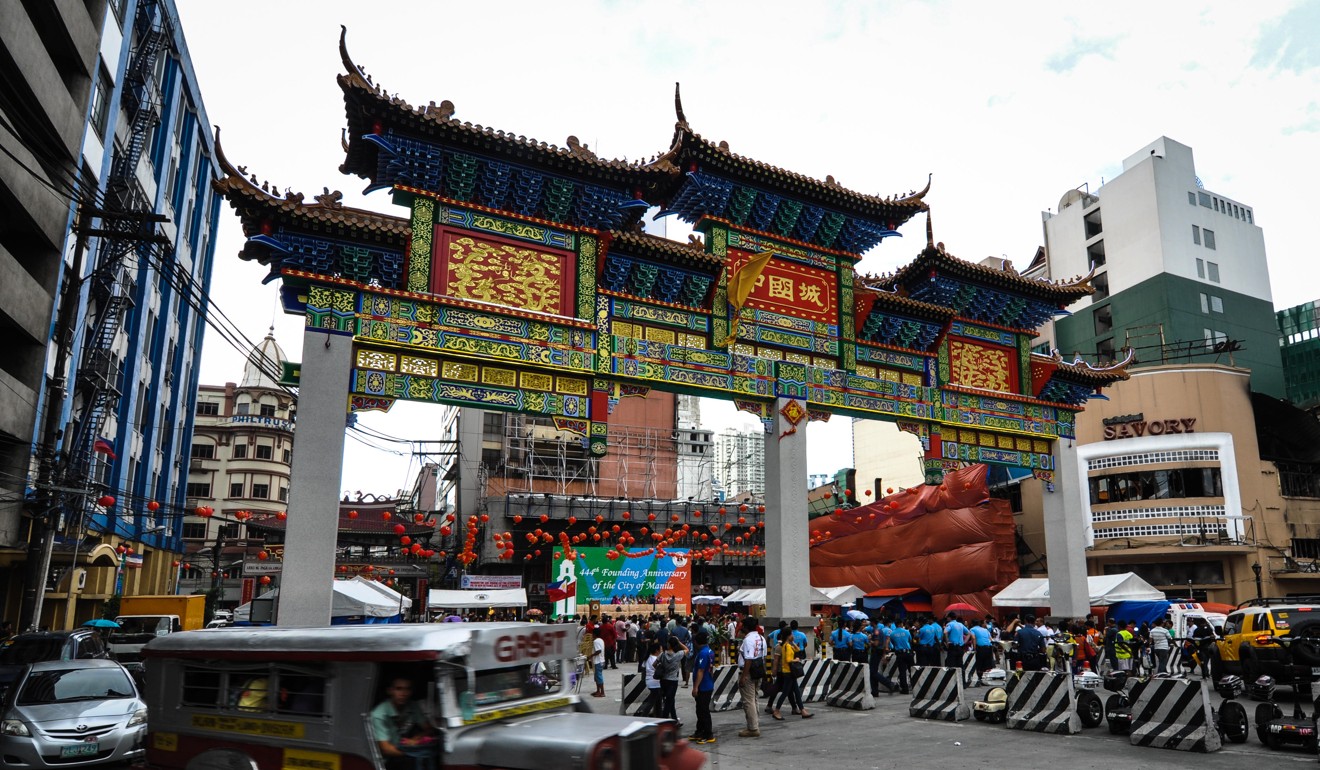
pixel 598 662
pixel 751 651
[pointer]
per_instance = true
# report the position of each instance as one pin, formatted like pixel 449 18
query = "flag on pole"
pixel 741 281
pixel 103 446
pixel 560 590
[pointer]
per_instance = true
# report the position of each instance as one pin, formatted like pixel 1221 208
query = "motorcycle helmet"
pixel 1230 686
pixel 995 677
pixel 1262 688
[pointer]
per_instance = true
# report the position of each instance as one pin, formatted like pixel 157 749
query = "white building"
pixel 885 456
pixel 695 450
pixel 1181 273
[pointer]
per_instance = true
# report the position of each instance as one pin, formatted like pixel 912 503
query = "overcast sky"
pixel 1009 105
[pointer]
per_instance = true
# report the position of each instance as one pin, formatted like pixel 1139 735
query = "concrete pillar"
pixel 307 580
pixel 1066 536
pixel 787 572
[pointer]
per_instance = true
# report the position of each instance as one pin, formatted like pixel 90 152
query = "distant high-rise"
pixel 1181 273
pixel 740 462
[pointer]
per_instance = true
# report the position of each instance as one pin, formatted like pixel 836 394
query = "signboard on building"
pixel 262 567
pixel 490 582
pixel 259 421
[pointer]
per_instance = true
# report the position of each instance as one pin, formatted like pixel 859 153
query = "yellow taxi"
pixel 1246 643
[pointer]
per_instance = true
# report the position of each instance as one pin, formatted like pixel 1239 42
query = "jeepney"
pixel 493 692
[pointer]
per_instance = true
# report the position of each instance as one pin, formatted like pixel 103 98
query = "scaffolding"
pixel 537 457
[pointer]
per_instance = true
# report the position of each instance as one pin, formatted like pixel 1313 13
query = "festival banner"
pixel 655 577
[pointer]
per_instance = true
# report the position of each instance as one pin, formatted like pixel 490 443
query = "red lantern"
pixel 444 531
pixel 517 519
pixel 175 564
pixel 153 506
pixel 484 518
pixel 121 549
pixel 760 509
pixel 281 516
pixel 262 555
pixel 405 540
pixel 508 554
pixel 384 515
pixel 105 501
pixel 352 514
pixel 265 580
pixel 399 529
pixel 186 565
pixel 627 515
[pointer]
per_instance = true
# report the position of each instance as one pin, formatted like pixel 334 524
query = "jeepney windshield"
pixel 502 685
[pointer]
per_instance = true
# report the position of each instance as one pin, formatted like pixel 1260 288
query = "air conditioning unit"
pixel 82 579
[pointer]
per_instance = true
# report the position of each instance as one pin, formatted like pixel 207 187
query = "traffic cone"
pixel 1086 665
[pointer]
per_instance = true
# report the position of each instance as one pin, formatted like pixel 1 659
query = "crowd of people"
pixel 676 651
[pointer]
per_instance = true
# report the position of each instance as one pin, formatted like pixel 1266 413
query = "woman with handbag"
pixel 789 667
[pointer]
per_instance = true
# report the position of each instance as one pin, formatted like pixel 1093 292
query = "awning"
pixel 1102 589
pixel 439 598
pixel 837 595
pixel 917 605
pixel 708 600
pixel 882 596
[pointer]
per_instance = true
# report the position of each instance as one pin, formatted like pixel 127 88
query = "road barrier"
pixel 815 680
pixel 850 686
pixel 937 693
pixel 1174 714
pixel 1043 702
pixel 634 693
pixel 969 667
pixel 726 696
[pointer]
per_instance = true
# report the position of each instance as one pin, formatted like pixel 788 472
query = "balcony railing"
pixel 1288 564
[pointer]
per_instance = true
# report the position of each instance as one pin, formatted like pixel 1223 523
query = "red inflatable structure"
pixel 952 540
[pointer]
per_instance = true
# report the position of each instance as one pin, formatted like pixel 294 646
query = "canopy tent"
pixel 880 597
pixel 356 598
pixel 708 600
pixel 1103 590
pixel 439 598
pixel 1138 612
pixel 837 595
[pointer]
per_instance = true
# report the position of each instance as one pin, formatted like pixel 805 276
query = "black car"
pixel 78 644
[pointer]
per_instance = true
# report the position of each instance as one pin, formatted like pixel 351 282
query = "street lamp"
pixel 1255 567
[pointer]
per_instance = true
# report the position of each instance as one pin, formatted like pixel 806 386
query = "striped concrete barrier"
pixel 634 693
pixel 1043 702
pixel 937 693
pixel 815 680
pixel 1174 714
pixel 850 686
pixel 726 696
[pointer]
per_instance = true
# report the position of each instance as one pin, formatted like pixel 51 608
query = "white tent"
pixel 351 598
pixel 439 598
pixel 389 595
pixel 837 595
pixel 1103 590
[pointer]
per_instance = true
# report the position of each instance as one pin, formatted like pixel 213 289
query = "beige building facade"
pixel 1176 486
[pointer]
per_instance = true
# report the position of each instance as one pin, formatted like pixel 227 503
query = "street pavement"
pixel 886 737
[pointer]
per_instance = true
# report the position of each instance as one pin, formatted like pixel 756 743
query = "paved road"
pixel 886 737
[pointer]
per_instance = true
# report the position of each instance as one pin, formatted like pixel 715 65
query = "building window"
pixel 1104 321
pixel 228 531
pixel 264 451
pixel 267 410
pixel 203 451
pixel 243 408
pixel 101 99
pixel 239 452
pixel 1248 213
pixel 1196 235
pixel 492 425
pixel 1205 303
pixel 1209 238
pixel 198 489
pixel 261 491
pixel 1200 268
pixel 285 454
pixel 1191 197
pixel 1212 270
pixel 194 530
pixel 1104 349
pixel 1203 199
pixel 1213 338
pixel 236 489
pixel 284 494
pixel 208 408
pixel 1095 253
pixel 1216 304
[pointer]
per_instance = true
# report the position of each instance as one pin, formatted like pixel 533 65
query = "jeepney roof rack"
pixel 1270 601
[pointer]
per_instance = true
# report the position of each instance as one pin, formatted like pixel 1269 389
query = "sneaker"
pixel 706 740
pixel 749 733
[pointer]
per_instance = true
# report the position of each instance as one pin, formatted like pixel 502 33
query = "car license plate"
pixel 80 750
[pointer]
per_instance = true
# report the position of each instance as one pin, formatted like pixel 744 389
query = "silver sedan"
pixel 72 713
